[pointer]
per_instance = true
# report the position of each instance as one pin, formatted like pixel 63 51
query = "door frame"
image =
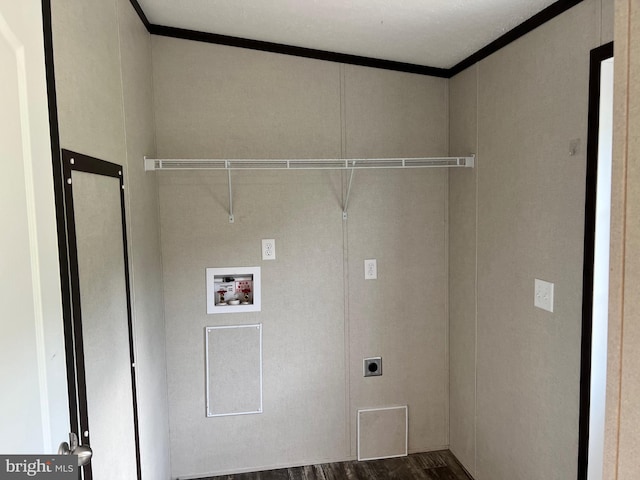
pixel 597 56
pixel 73 161
pixel 58 190
pixel 67 254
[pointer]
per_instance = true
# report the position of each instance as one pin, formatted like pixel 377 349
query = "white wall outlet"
pixel 370 269
pixel 543 295
pixel 268 249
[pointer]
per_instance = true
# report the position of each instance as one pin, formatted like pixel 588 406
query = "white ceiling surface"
pixel 436 33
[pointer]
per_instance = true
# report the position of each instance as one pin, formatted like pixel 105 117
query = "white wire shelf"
pixel 152 164
pixel 352 164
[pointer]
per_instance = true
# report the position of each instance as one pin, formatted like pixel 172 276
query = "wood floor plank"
pixel 429 460
pixel 441 465
pixel 314 472
pixel 281 474
pixel 348 470
pixel 455 465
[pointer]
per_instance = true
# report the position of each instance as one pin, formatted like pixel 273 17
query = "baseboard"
pixel 433 448
pixel 262 468
pixel 304 463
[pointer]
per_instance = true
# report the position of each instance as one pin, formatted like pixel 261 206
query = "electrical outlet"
pixel 370 269
pixel 543 295
pixel 268 249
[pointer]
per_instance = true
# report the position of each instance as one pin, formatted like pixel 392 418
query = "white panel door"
pixel 34 415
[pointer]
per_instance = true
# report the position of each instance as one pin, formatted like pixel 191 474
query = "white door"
pixel 34 412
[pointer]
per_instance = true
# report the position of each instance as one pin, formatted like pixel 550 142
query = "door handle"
pixel 83 452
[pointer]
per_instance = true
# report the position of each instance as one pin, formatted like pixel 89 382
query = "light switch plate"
pixel 543 295
pixel 370 269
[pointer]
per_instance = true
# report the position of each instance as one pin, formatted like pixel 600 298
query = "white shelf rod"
pixel 151 164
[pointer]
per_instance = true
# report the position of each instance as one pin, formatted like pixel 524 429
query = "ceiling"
pixel 435 33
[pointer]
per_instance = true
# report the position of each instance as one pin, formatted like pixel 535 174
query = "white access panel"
pixel 233 370
pixel 383 433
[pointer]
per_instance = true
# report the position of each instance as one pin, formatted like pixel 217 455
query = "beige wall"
pixel 400 219
pixel 516 217
pixel 144 238
pixel 514 368
pixel 103 77
pixel 320 317
pixel 622 437
pixel 463 185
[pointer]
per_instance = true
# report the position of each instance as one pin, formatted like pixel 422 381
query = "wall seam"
pixel 447 236
pixel 156 180
pixel 125 179
pixel 448 315
pixel 345 268
pixel 600 24
pixel 131 252
pixel 159 233
pixel 475 366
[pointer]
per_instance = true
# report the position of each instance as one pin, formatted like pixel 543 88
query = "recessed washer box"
pixel 233 289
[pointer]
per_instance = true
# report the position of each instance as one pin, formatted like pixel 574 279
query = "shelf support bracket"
pixel 231 218
pixel 346 200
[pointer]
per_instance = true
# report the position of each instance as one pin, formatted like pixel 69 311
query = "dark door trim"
pixel 83 163
pixel 64 209
pixel 61 227
pixel 597 56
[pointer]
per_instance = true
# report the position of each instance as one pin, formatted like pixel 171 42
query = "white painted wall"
pixel 463 234
pixel 601 276
pixel 320 317
pixel 103 74
pixel 518 216
pixel 251 103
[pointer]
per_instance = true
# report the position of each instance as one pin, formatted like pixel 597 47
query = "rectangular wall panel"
pixel 382 432
pixel 234 370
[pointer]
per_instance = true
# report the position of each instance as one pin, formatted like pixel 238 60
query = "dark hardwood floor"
pixel 440 465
